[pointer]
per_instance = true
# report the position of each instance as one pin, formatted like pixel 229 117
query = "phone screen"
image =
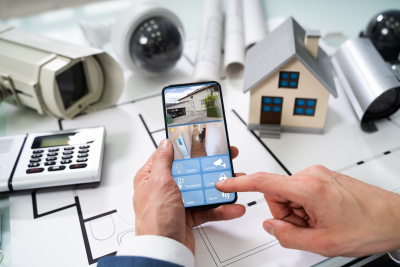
pixel 195 124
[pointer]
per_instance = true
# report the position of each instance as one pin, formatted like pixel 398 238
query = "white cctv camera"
pixel 54 77
pixel 148 38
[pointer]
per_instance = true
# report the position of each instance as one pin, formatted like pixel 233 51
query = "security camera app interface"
pixel 196 128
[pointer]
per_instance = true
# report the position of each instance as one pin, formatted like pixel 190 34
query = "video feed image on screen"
pixel 198 140
pixel 192 104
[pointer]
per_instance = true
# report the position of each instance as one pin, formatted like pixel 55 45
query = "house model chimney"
pixel 311 41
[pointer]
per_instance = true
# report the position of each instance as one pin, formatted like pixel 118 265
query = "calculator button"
pixel 34 170
pixel 56 168
pixel 37 151
pixel 51 159
pixel 83 151
pixel 50 163
pixel 35 160
pixel 82 147
pixel 67 161
pixel 81 160
pixel 82 155
pixel 53 150
pixel 67 157
pixel 52 154
pixel 77 166
pixel 68 152
pixel 33 165
pixel 36 156
pixel 69 148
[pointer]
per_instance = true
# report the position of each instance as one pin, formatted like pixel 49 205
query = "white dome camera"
pixel 148 38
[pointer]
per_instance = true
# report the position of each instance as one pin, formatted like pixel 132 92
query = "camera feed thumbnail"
pixel 199 103
pixel 198 140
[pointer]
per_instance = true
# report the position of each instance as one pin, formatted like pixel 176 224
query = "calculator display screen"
pixel 52 140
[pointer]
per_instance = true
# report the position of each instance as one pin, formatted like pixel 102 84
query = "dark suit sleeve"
pixel 131 261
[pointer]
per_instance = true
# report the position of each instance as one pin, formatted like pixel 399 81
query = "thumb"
pixel 290 235
pixel 162 160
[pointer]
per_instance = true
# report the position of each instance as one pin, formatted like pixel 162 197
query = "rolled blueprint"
pixel 253 22
pixel 234 39
pixel 207 67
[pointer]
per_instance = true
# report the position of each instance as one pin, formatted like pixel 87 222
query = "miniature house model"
pixel 290 80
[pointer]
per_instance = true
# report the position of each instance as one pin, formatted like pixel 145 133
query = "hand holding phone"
pixel 195 124
pixel 158 202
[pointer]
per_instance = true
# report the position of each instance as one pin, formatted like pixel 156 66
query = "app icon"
pixel 219 163
pixel 225 195
pixel 180 182
pixel 178 167
pixel 222 177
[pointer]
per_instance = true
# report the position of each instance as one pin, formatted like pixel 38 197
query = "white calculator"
pixel 61 159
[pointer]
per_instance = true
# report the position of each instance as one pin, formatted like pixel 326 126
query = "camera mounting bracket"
pixel 7 90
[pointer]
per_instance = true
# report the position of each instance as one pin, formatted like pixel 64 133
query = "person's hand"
pixel 158 201
pixel 325 212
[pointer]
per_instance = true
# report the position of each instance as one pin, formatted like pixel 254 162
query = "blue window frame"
pixel 266 109
pixel 289 79
pixel 276 109
pixel 310 103
pixel 298 111
pixel 283 84
pixel 305 106
pixel 267 100
pixel 309 111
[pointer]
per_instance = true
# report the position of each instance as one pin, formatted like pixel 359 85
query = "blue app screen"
pixel 196 128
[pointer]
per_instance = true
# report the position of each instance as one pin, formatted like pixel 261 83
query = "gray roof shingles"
pixel 279 47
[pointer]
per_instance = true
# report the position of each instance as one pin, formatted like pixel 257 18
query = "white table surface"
pixel 349 17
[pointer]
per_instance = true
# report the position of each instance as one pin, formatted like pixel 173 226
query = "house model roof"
pixel 279 47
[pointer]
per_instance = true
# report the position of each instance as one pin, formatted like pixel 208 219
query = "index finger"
pixel 267 183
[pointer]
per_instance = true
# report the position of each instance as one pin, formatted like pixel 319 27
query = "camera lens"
pixel 385 105
pixel 156 45
pixel 72 85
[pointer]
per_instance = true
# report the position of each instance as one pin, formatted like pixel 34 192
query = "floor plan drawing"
pixel 93 223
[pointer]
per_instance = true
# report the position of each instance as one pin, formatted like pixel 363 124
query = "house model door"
pixel 271 110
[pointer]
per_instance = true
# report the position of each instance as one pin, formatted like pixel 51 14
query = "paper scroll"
pixel 234 39
pixel 253 22
pixel 207 67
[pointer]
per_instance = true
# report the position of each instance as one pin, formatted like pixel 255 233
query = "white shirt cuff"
pixel 157 247
pixel 395 255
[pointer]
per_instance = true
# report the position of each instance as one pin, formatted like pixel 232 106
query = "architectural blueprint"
pixel 77 227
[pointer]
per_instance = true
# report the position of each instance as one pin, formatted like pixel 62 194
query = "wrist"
pixel 396 214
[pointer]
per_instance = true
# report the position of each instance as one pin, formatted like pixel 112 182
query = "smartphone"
pixel 195 123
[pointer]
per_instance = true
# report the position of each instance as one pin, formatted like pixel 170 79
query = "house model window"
pixel 288 79
pixel 305 106
pixel 271 104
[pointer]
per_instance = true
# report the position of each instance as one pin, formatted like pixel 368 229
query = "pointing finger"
pixel 267 183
